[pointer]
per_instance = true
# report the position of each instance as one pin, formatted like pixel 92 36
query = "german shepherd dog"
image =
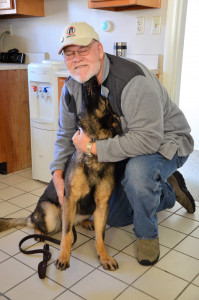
pixel 88 184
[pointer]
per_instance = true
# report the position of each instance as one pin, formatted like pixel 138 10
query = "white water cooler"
pixel 43 101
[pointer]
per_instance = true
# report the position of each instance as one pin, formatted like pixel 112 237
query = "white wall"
pixel 189 92
pixel 43 34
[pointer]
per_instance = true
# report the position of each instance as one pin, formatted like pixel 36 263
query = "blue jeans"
pixel 141 191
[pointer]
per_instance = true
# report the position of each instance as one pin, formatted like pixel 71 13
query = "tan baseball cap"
pixel 77 33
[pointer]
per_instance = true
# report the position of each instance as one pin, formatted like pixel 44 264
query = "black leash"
pixel 46 252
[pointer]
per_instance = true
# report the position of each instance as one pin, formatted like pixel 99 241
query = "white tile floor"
pixel 175 276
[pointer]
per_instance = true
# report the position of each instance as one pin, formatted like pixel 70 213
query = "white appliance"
pixel 43 101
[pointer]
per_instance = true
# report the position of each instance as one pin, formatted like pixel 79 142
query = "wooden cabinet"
pixel 121 5
pixel 21 8
pixel 61 81
pixel 15 146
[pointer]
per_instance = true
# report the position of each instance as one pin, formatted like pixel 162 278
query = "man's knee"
pixel 138 171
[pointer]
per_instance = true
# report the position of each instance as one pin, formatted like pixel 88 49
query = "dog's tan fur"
pixel 86 176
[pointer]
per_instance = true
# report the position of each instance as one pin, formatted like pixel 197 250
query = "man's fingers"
pixel 77 132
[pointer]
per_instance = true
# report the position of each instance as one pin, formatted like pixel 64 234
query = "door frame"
pixel 173 47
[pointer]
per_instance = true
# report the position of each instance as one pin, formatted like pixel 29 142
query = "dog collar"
pixel 88 149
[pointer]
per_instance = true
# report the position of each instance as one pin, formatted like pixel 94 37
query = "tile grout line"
pixel 180 231
pixel 13 287
pixel 137 290
pixel 20 209
pixel 175 213
pixel 182 291
pixel 168 272
pixel 71 292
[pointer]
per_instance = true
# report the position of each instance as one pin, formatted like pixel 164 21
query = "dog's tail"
pixel 7 223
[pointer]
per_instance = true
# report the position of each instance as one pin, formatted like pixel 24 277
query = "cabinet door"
pixel 6 4
pixel 21 8
pixel 61 81
pixel 14 120
pixel 120 5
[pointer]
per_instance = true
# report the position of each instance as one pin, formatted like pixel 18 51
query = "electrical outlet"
pixel 140 25
pixel 156 25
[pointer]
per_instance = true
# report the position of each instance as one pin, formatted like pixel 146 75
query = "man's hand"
pixel 81 140
pixel 59 185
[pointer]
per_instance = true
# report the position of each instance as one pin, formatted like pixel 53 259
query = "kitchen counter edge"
pixel 66 74
pixel 58 73
pixel 4 66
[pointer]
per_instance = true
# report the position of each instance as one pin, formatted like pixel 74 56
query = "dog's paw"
pixel 88 224
pixel 110 264
pixel 62 264
pixel 38 232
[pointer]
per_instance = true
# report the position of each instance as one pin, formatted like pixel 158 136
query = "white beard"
pixel 95 71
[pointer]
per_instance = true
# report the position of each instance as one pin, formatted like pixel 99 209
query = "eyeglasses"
pixel 83 51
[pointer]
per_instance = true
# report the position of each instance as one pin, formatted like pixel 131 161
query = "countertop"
pixel 66 74
pixel 4 66
pixel 151 61
pixel 29 58
pixel 58 73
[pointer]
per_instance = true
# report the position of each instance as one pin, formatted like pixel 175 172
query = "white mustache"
pixel 80 66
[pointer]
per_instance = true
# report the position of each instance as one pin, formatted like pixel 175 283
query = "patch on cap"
pixel 71 31
pixel 77 33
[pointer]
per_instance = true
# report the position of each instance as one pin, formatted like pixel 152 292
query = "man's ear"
pixel 101 50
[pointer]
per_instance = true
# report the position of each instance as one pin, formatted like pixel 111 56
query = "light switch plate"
pixel 156 25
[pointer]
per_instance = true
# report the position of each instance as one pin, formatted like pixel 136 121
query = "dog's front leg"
pixel 102 196
pixel 68 215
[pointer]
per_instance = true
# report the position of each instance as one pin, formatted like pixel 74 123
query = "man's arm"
pixel 63 146
pixel 143 113
pixel 59 184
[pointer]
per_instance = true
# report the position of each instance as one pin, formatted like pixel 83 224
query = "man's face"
pixel 86 63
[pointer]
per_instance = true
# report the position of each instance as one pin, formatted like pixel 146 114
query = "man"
pixel 156 139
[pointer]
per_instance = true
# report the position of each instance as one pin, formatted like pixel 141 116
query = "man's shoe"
pixel 148 251
pixel 183 196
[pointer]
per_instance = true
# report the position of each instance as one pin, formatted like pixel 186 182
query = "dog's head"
pixel 93 101
pixel 97 106
pixel 91 92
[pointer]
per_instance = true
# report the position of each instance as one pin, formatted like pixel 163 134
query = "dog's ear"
pixel 91 92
